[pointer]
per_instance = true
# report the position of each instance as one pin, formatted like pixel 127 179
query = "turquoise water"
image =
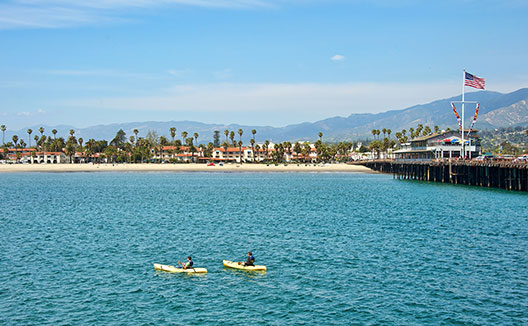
pixel 355 249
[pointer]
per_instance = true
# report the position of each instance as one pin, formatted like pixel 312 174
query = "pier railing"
pixel 505 175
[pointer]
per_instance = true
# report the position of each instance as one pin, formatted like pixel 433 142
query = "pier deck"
pixel 504 175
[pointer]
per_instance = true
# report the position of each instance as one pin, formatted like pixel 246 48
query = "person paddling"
pixel 249 260
pixel 188 264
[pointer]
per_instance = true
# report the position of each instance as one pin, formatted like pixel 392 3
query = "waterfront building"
pixel 179 154
pixel 30 155
pixel 443 145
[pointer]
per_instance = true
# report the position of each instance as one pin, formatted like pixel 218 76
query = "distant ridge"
pixel 496 110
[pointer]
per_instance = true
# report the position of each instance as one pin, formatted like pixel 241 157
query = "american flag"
pixel 474 81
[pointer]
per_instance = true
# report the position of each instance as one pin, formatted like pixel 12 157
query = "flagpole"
pixel 463 153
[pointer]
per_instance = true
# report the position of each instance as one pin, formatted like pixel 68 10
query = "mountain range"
pixel 496 110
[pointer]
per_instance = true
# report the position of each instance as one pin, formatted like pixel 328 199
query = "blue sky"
pixel 258 62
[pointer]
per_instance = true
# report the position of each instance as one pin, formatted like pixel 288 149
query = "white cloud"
pixel 305 98
pixel 30 113
pixel 179 72
pixel 337 57
pixel 66 13
pixel 223 74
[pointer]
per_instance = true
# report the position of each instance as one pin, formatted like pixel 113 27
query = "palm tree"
pixel 320 136
pixel 389 132
pixel 226 133
pixel 3 128
pixel 184 136
pixel 404 132
pixel 384 131
pixel 80 142
pixel 196 137
pixel 297 149
pixel 29 131
pixel 253 131
pixel 427 131
pixel 252 142
pixel 411 131
pixel 172 133
pixel 232 137
pixel 436 129
pixel 374 131
pixel 41 130
pixel 225 145
pixel 266 147
pixel 54 132
pixel 15 140
pixel 240 150
pixel 72 132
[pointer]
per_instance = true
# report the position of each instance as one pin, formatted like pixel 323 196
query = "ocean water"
pixel 341 249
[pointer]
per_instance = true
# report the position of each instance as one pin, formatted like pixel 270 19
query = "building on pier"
pixel 446 144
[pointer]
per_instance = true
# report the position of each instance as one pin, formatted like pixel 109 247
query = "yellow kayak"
pixel 172 269
pixel 234 264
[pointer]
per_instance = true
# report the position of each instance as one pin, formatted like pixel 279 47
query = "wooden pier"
pixel 504 175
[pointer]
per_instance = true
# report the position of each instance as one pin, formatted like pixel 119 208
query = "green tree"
pixel 427 131
pixel 307 149
pixel 29 132
pixel 240 150
pixel 297 149
pixel 266 148
pixel 225 145
pixel 375 146
pixel 184 135
pixel 15 140
pixel 54 132
pixel 252 142
pixel 226 133
pixel 232 137
pixel 320 136
pixel 119 139
pixel 216 138
pixel 3 128
pixel 172 133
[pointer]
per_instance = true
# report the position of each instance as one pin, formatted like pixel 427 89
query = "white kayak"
pixel 172 269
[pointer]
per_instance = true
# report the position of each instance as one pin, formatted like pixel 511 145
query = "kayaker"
pixel 188 264
pixel 249 260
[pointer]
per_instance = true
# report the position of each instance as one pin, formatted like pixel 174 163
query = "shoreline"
pixel 192 167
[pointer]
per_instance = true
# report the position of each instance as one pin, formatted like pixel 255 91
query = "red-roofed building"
pixel 179 154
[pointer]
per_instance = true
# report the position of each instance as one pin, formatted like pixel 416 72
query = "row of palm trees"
pixel 402 135
pixel 142 149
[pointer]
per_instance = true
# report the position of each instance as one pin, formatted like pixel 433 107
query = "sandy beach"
pixel 6 168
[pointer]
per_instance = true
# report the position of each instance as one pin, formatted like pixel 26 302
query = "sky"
pixel 253 62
